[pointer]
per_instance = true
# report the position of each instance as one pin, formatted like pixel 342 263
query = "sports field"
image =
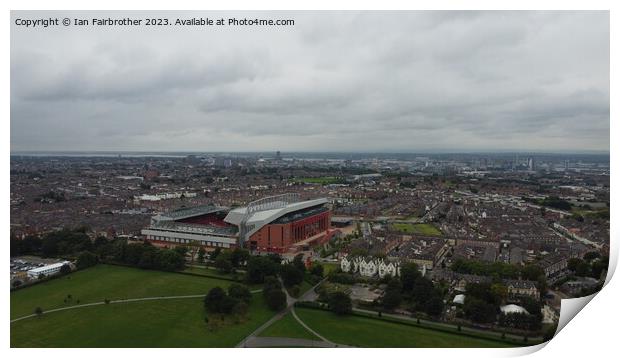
pixel 320 180
pixel 420 229
pixel 158 323
pixel 368 332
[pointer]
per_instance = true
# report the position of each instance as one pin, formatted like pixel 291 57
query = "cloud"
pixel 350 81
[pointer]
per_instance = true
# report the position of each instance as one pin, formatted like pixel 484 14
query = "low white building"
pixel 47 269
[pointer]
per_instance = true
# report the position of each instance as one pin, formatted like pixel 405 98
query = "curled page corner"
pixel 570 307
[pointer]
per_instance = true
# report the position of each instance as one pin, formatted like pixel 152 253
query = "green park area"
pixel 320 180
pixel 178 322
pixel 287 326
pixel 419 229
pixel 358 331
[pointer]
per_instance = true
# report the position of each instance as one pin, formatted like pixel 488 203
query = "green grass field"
pixel 166 323
pixel 163 323
pixel 319 180
pixel 105 281
pixel 420 229
pixel 329 267
pixel 287 326
pixel 368 332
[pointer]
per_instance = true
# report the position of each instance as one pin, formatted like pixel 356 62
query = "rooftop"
pixel 183 213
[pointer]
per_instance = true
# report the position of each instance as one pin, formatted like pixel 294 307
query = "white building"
pixel 47 270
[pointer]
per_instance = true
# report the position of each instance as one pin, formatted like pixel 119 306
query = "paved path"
pixel 252 340
pixel 111 302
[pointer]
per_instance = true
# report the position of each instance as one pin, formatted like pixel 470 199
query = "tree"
pixel 65 269
pixel 434 306
pixel 340 303
pixel 298 262
pixel 409 274
pixel 479 311
pixel 259 267
pixel 499 292
pixel 240 309
pixel 201 255
pixel 215 253
pixel 392 297
pixel 271 283
pixel 227 304
pixel 582 269
pixel 214 299
pixel 85 260
pixel 223 263
pixel 317 269
pixel 276 299
pixel 239 256
pixel 550 332
pixel 240 292
pixel 182 250
pixel 291 275
pixel 591 255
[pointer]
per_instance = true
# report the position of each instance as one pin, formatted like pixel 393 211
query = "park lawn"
pixel 329 267
pixel 320 180
pixel 211 272
pixel 420 229
pixel 369 332
pixel 106 281
pixel 287 326
pixel 164 323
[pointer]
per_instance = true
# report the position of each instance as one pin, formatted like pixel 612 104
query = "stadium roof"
pixel 260 213
pixel 194 228
pixel 183 213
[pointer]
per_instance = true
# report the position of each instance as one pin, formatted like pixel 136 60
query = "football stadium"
pixel 281 223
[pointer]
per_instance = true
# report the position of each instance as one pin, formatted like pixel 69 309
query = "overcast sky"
pixel 372 81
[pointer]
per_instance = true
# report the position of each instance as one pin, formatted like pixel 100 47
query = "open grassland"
pixel 420 229
pixel 320 180
pixel 160 323
pixel 166 323
pixel 287 326
pixel 369 332
pixel 106 281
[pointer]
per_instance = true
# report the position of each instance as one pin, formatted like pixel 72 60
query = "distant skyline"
pixel 388 82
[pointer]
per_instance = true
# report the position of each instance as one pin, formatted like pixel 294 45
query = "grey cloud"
pixel 445 80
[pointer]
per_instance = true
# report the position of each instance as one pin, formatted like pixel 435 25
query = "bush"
pixel 340 303
pixel 85 259
pixel 291 275
pixel 317 269
pixel 271 283
pixel 343 278
pixel 240 292
pixel 214 298
pixel 276 299
pixel 223 264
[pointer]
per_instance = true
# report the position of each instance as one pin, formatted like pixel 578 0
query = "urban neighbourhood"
pixel 300 249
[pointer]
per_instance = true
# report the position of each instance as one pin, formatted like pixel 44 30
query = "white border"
pixel 591 332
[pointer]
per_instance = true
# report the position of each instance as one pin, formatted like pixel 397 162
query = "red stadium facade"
pixel 274 224
pixel 280 235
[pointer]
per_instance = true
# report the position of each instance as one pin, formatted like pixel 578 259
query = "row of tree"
pixel 498 269
pixel 592 265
